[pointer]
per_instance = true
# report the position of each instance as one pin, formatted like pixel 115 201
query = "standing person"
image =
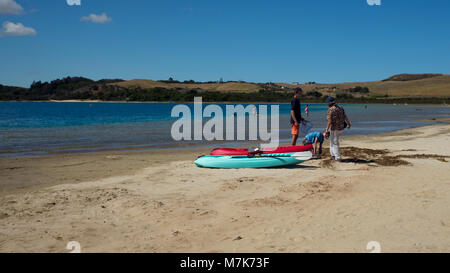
pixel 296 115
pixel 337 122
pixel 255 112
pixel 307 110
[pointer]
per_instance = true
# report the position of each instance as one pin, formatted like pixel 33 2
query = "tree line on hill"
pixel 79 88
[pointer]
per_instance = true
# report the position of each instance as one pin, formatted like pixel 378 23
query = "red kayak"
pixel 279 150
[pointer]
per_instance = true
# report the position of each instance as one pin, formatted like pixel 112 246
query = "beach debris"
pixel 391 161
pixel 327 163
pixel 380 157
pixel 13 168
pixel 238 238
pixel 157 204
pixel 423 156
pixel 4 215
pixel 245 179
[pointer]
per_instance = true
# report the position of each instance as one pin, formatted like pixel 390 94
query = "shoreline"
pixel 184 147
pixel 250 102
pixel 391 188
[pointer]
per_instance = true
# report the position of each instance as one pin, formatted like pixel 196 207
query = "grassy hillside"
pixel 411 77
pixel 403 85
pixel 220 87
pixel 429 87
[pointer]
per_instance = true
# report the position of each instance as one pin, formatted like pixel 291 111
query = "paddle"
pixel 254 151
pixel 306 155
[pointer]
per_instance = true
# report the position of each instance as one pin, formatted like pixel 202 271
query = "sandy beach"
pixel 393 188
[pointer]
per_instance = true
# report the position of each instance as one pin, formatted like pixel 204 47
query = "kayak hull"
pixel 242 162
pixel 278 150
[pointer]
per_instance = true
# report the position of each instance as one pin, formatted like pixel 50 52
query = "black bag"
pixel 345 122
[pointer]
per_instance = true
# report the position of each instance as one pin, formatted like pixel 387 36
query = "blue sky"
pixel 260 41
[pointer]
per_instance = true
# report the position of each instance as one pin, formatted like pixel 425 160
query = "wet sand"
pixel 392 188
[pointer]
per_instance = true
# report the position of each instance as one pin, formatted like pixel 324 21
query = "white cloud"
pixel 99 19
pixel 10 7
pixel 11 29
pixel 73 2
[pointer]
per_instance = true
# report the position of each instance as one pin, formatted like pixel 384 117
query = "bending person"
pixel 315 138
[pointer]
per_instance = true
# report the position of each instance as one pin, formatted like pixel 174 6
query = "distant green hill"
pixel 60 89
pixel 426 88
pixel 5 88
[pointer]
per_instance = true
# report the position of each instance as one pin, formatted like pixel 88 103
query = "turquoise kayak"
pixel 257 161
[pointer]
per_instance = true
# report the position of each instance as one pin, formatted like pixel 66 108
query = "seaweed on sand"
pixel 380 157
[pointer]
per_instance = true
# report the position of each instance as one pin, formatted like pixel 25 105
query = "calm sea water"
pixel 36 128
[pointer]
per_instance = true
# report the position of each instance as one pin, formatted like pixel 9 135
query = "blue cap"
pixel 330 100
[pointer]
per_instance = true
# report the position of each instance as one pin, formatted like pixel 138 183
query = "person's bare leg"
pixel 294 140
